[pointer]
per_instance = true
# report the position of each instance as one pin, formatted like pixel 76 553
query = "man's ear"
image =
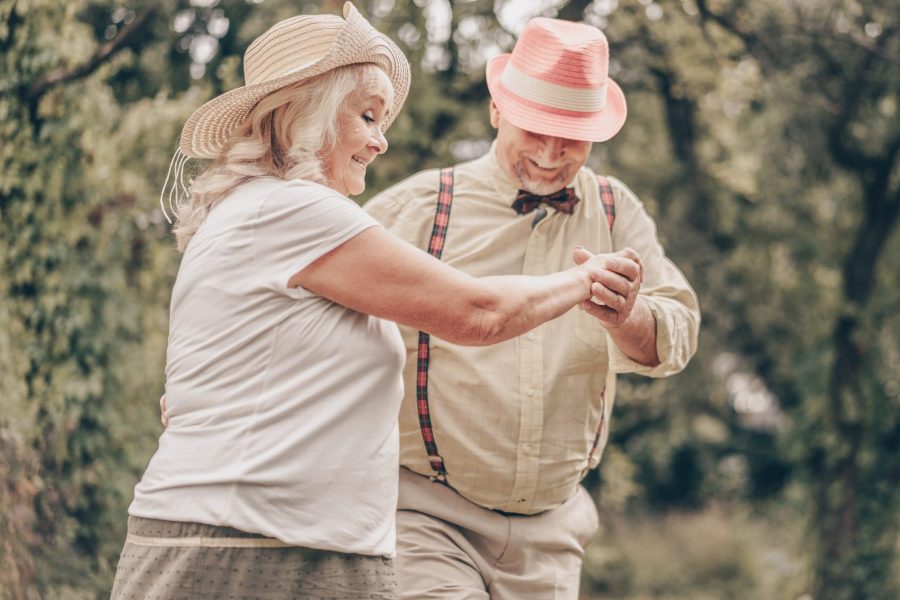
pixel 495 114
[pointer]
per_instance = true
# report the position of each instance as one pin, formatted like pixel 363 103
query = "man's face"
pixel 540 164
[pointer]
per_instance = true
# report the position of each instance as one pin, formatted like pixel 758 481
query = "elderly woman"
pixel 277 474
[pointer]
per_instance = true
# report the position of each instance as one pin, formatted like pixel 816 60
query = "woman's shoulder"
pixel 297 189
pixel 296 194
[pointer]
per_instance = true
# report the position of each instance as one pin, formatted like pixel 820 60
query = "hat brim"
pixel 209 127
pixel 207 130
pixel 598 126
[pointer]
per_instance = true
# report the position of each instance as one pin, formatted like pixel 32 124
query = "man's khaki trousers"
pixel 449 548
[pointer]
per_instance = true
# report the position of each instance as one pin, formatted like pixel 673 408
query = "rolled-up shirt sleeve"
pixel 666 290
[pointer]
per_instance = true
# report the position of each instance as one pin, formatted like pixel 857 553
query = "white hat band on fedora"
pixel 550 94
pixel 291 51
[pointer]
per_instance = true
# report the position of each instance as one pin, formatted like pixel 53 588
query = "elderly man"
pixel 495 440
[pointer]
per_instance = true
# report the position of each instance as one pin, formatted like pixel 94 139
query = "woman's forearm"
pixel 510 305
pixel 377 274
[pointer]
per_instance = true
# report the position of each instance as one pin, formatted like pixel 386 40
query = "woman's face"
pixel 359 136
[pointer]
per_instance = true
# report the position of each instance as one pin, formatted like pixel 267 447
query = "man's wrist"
pixel 636 319
pixel 636 335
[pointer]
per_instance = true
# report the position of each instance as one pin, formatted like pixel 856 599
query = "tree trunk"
pixel 856 526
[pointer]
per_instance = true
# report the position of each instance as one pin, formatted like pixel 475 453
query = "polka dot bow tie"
pixel 564 201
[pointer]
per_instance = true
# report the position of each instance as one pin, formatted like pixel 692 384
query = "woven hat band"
pixel 552 95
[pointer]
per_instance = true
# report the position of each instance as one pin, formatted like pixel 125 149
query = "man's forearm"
pixel 636 337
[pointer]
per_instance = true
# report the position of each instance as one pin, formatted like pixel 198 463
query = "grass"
pixel 715 553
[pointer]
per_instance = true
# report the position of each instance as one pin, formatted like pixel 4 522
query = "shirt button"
pixel 530 392
pixel 531 336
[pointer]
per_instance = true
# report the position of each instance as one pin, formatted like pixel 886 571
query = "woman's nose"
pixel 379 142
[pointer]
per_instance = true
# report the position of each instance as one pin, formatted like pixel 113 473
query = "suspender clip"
pixel 439 478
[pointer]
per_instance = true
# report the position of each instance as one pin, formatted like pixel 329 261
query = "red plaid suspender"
pixel 435 248
pixel 607 200
pixel 599 425
pixel 609 207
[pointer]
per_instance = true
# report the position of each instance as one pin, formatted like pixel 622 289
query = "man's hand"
pixel 616 287
pixel 162 411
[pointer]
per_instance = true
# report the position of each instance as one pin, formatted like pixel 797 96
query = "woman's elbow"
pixel 479 316
pixel 479 326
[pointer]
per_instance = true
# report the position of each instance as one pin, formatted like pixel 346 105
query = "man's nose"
pixel 552 148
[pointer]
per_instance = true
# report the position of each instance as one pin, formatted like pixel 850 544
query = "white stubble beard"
pixel 539 188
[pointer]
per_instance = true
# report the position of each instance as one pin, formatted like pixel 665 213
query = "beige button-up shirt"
pixel 516 422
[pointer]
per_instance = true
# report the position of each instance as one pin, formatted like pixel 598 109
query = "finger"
pixel 603 295
pixel 602 313
pixel 629 253
pixel 614 282
pixel 622 305
pixel 626 267
pixel 632 254
pixel 581 255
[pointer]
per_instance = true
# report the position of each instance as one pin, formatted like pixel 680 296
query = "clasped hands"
pixel 616 283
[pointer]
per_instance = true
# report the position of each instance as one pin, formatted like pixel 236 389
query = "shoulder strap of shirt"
pixel 435 248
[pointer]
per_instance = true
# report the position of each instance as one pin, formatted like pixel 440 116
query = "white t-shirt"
pixel 282 404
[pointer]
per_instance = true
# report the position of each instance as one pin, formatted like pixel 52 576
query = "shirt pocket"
pixel 589 331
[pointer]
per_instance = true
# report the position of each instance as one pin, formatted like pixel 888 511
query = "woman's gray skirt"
pixel 173 561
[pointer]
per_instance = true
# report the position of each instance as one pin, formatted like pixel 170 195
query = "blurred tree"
pixel 831 81
pixel 82 264
pixel 763 138
pixel 783 180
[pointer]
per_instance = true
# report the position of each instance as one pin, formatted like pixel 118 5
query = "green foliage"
pixel 763 137
pixel 700 555
pixel 83 297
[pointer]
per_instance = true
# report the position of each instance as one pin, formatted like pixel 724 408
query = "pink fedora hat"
pixel 555 82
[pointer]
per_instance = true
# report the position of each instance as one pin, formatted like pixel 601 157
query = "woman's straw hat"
pixel 556 82
pixel 295 49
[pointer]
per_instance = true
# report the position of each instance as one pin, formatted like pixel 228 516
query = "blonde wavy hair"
pixel 286 135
